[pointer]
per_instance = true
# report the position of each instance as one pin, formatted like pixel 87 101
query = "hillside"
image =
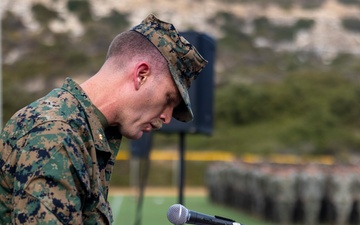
pixel 328 36
pixel 287 71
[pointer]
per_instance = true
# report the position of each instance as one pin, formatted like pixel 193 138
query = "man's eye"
pixel 168 100
pixel 171 101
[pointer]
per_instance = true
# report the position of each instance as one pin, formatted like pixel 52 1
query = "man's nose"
pixel 167 115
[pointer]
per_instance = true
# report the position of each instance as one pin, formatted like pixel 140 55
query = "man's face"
pixel 152 106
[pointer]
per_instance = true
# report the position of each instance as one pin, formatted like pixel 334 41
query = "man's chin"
pixel 136 136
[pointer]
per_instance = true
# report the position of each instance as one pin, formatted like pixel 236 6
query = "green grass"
pixel 155 209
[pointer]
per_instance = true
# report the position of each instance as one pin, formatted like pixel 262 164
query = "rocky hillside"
pixel 335 30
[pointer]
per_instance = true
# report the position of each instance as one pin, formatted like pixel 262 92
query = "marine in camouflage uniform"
pixel 57 154
pixel 339 193
pixel 56 161
pixel 355 191
pixel 311 189
pixel 281 189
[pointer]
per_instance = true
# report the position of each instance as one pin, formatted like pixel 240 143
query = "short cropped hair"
pixel 129 45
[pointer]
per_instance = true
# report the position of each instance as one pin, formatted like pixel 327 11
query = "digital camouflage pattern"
pixel 56 160
pixel 184 61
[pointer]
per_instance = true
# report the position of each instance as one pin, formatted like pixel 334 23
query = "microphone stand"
pixel 181 167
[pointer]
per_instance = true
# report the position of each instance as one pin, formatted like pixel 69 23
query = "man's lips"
pixel 155 125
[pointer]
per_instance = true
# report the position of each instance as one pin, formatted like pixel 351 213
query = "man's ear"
pixel 141 73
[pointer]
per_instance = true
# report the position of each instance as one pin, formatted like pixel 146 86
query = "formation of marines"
pixel 307 194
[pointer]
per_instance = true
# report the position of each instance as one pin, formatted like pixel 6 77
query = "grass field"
pixel 155 209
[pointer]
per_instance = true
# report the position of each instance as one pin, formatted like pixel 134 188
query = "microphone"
pixel 177 214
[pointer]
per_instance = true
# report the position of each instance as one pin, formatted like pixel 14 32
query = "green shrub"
pixel 352 24
pixel 43 14
pixel 350 2
pixel 82 9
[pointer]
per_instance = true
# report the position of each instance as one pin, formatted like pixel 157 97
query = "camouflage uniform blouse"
pixel 56 160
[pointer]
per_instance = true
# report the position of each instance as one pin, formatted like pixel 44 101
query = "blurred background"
pixel 286 95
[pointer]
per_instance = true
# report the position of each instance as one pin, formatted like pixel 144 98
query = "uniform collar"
pixel 102 118
pixel 108 141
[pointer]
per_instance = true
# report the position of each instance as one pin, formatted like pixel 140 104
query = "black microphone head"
pixel 177 214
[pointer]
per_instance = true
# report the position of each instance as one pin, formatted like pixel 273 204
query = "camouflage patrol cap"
pixel 184 61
